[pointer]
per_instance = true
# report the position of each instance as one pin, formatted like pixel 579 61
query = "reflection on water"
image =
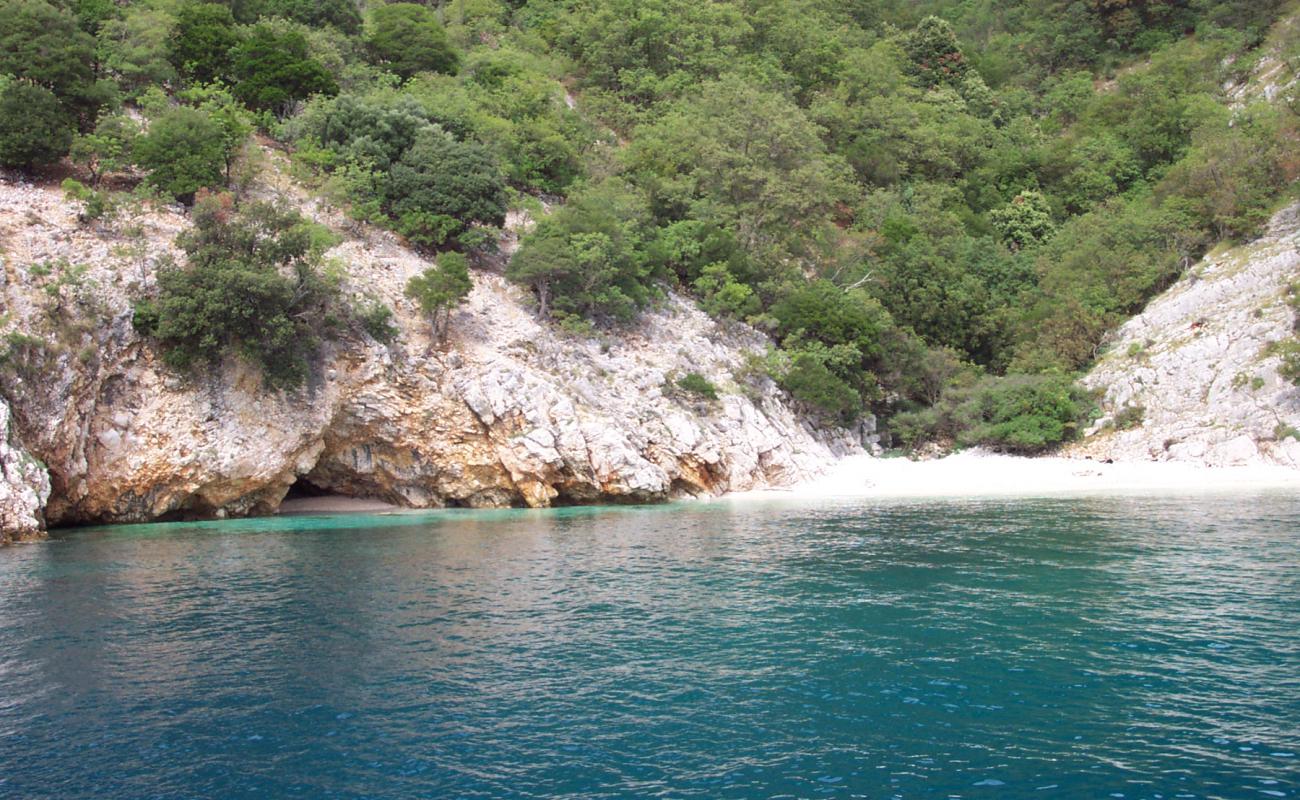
pixel 1134 647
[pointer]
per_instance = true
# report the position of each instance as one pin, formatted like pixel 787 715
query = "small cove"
pixel 1134 646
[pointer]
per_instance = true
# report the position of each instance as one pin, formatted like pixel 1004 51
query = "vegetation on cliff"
pixel 936 209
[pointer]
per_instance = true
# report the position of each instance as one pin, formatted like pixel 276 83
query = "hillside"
pixel 556 251
pixel 505 412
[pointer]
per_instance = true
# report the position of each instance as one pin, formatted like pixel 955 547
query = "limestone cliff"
pixel 509 411
pixel 1194 376
pixel 24 486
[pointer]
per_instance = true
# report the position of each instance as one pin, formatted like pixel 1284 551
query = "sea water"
pixel 1127 647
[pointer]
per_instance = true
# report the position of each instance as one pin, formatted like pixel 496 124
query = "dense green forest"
pixel 937 209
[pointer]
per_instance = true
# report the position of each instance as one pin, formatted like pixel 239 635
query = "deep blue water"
pixel 1099 647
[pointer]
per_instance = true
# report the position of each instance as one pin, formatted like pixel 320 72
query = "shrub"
pixel 108 148
pixel 274 69
pixel 1128 417
pixel 587 259
pixel 95 205
pixel 698 385
pixel 377 320
pixel 34 128
pixel 810 382
pixel 439 187
pixel 251 287
pixel 407 38
pixel 1019 414
pixel 184 151
pixel 202 40
pixel 1026 414
pixel 441 288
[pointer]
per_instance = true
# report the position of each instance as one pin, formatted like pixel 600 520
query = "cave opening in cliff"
pixel 302 488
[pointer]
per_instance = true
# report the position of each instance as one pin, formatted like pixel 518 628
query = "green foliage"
pixel 588 258
pixel 440 187
pixel 639 51
pixel 722 295
pixel 1289 369
pixel 743 159
pixel 342 14
pixel 1018 414
pixel 95 205
pixel 1026 220
pixel 406 38
pixel 441 288
pixel 202 41
pixel 136 49
pixel 34 128
pixel 251 287
pixel 696 384
pixel 1128 417
pixel 184 151
pixel 272 70
pixel 376 319
pixel 42 44
pixel 809 381
pixel 935 53
pixel 108 148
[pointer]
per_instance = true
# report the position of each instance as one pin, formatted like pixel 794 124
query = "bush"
pixel 440 187
pixel 251 287
pixel 810 382
pixel 34 128
pixel 588 258
pixel 272 70
pixel 202 40
pixel 1019 414
pixel 698 385
pixel 184 151
pixel 441 288
pixel 407 38
pixel 377 320
pixel 41 44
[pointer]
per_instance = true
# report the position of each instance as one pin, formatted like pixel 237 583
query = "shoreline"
pixel 977 473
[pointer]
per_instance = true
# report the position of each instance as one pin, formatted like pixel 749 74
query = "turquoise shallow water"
pixel 1100 647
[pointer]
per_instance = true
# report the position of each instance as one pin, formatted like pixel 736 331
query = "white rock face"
pixel 24 486
pixel 507 411
pixel 1198 362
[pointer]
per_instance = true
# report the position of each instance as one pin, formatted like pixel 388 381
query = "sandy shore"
pixel 979 474
pixel 334 504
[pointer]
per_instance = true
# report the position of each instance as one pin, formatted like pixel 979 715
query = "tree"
pixel 272 70
pixel 251 286
pixel 136 48
pixel 439 187
pixel 342 14
pixel 106 149
pixel 34 128
pixel 184 152
pixel 42 44
pixel 202 40
pixel 407 38
pixel 441 288
pixel 1026 220
pixel 588 259
pixel 935 54
pixel 745 159
pixel 231 118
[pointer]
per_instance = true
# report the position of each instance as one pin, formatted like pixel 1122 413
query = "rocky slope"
pixel 24 486
pixel 1193 377
pixel 508 412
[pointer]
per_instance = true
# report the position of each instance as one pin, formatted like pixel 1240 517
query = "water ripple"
pixel 1100 647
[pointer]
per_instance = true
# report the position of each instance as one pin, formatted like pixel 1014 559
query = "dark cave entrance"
pixel 304 488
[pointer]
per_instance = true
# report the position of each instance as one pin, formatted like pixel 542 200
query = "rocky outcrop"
pixel 24 486
pixel 1194 377
pixel 507 412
